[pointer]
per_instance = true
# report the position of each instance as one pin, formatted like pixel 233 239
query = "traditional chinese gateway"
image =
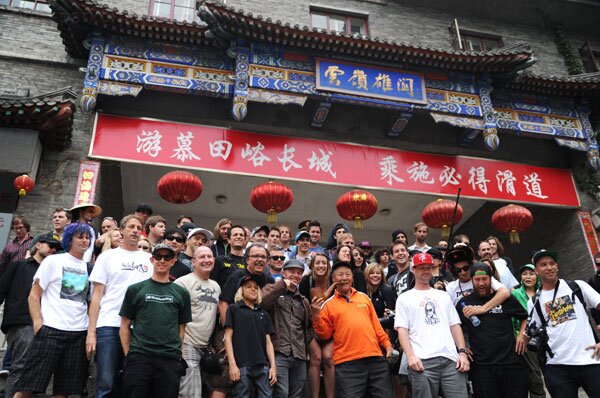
pixel 239 97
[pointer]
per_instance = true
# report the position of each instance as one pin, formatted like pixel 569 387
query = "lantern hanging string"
pixel 453 218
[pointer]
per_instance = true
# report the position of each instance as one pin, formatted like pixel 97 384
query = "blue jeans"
pixel 257 375
pixel 109 361
pixel 291 375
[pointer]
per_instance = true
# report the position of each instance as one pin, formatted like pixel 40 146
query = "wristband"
pixel 462 351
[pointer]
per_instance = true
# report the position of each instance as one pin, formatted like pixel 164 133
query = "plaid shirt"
pixel 14 251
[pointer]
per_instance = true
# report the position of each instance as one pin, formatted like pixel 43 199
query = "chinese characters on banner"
pixel 585 218
pixel 237 152
pixel 370 81
pixel 86 182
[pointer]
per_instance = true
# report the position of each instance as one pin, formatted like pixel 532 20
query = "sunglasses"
pixel 463 269
pixel 278 258
pixel 166 257
pixel 144 247
pixel 178 239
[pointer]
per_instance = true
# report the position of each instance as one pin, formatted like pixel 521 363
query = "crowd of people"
pixel 167 311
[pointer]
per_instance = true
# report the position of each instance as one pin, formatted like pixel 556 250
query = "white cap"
pixel 203 231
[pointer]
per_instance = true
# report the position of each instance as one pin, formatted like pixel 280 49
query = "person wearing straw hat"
pixel 84 213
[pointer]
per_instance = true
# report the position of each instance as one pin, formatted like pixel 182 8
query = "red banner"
pixel 585 218
pixel 237 152
pixel 86 182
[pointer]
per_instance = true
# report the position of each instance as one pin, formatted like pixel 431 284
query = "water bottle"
pixel 473 318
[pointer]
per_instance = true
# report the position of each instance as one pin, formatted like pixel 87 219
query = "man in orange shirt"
pixel 358 338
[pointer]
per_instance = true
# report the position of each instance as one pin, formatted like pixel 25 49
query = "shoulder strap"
pixel 576 292
pixel 579 294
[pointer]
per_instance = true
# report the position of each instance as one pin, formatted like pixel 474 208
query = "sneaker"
pixel 4 372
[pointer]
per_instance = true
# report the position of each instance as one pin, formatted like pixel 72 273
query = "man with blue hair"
pixel 58 308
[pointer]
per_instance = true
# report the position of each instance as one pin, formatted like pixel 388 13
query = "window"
pixel 590 58
pixel 180 10
pixel 468 40
pixel 332 22
pixel 37 5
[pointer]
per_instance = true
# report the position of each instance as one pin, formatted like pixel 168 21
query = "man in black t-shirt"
pixel 498 369
pixel 256 259
pixel 227 264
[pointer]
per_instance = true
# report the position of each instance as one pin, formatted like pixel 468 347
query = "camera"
pixel 538 337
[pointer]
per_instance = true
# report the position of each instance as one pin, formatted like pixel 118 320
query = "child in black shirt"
pixel 248 331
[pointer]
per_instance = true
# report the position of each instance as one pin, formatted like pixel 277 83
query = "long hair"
pixel 220 223
pixel 108 241
pixel 75 229
pixel 337 253
pixel 312 265
pixel 368 271
pixel 239 296
pixel 499 247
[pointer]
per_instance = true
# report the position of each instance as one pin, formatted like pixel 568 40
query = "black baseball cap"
pixel 339 264
pixel 50 240
pixel 479 268
pixel 251 277
pixel 544 253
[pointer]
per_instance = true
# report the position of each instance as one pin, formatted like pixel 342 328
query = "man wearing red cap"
pixel 429 331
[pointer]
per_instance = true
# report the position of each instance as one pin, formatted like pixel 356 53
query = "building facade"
pixel 405 94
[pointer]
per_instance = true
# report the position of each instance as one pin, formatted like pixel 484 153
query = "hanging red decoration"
pixel 179 187
pixel 357 205
pixel 23 184
pixel 439 214
pixel 271 198
pixel 512 219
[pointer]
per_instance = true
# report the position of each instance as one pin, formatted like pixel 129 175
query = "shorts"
pixel 55 352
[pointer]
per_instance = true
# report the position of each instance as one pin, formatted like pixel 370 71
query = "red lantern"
pixel 23 184
pixel 512 219
pixel 439 214
pixel 271 198
pixel 179 187
pixel 357 205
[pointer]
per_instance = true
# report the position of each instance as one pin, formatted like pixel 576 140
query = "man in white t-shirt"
pixel 204 294
pixel 431 337
pixel 460 259
pixel 575 354
pixel 58 308
pixel 112 274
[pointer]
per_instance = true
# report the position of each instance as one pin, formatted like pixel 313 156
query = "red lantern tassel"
pixel 514 237
pixel 272 216
pixel 358 223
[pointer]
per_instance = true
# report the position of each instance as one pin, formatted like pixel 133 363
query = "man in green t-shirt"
pixel 158 310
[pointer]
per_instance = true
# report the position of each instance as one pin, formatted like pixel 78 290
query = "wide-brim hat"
pixel 460 252
pixel 79 207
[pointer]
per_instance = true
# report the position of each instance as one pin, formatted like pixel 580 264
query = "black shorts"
pixel 55 352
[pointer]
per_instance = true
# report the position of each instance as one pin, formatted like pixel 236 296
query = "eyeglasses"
pixel 166 257
pixel 258 256
pixel 179 239
pixel 278 258
pixel 463 269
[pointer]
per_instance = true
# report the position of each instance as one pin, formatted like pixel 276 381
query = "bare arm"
pixel 35 306
pixel 271 356
pixel 234 371
pixel 90 340
pixel 462 364
pixel 181 334
pixel 125 334
pixel 223 306
pixel 413 362
pixel 501 295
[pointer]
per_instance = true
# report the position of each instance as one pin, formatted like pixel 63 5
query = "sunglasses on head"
pixel 278 258
pixel 166 257
pixel 178 239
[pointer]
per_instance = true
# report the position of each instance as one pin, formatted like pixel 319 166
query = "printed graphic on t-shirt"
pixel 561 311
pixel 431 317
pixel 401 284
pixel 74 284
pixel 132 266
pixel 159 298
pixel 207 299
